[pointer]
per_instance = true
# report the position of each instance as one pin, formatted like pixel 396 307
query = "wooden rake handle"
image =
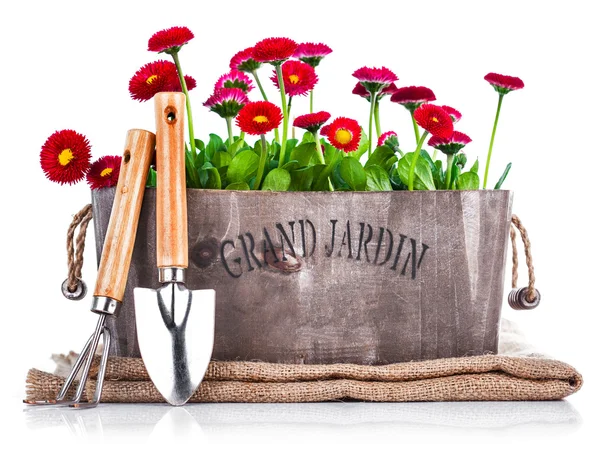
pixel 171 203
pixel 122 227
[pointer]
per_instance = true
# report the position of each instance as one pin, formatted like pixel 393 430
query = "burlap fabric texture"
pixel 478 378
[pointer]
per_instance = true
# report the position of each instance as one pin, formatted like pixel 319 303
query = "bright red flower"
pixel 65 157
pixel 227 102
pixel 274 50
pixel 451 145
pixel 312 122
pixel 170 40
pixel 234 80
pixel 154 77
pixel 312 53
pixel 299 78
pixel 388 135
pixel 243 61
pixel 344 134
pixel 412 97
pixel 435 120
pixel 259 117
pixel 504 84
pixel 454 113
pixel 375 79
pixel 104 172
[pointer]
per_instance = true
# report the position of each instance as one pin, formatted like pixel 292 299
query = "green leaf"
pixel 468 181
pixel 307 137
pixel 302 178
pixel 238 186
pixel 423 176
pixel 503 177
pixel 305 154
pixel 235 146
pixel 381 157
pixel 190 170
pixel 395 178
pixel 330 152
pixel 353 173
pixel 363 145
pixel 200 159
pixel 377 179
pixel 278 180
pixel 221 159
pixel 438 175
pixel 214 179
pixel 454 177
pixel 292 165
pixel 214 145
pixel 430 162
pixel 243 166
pixel 475 167
pixel 151 181
pixel 199 144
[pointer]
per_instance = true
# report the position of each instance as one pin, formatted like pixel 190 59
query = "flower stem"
pixel 188 104
pixel 261 162
pixel 377 124
pixel 264 95
pixel 450 161
pixel 229 131
pixel 321 156
pixel 371 115
pixel 285 115
pixel 416 127
pixel 435 151
pixel 489 155
pixel 311 101
pixel 413 164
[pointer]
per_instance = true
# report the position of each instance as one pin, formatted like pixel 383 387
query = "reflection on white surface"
pixel 156 421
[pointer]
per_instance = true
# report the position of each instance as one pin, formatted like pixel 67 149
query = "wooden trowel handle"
pixel 171 204
pixel 122 227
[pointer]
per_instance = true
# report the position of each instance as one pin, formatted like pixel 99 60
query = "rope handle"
pixel 74 287
pixel 527 297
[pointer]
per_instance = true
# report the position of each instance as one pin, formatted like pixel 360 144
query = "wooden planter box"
pixel 344 277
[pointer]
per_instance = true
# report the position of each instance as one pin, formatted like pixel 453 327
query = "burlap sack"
pixel 478 378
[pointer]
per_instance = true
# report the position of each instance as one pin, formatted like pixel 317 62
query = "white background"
pixel 67 65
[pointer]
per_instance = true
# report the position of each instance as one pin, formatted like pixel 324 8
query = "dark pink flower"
pixel 504 84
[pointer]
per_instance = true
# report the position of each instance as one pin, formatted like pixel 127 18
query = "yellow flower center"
pixel 151 79
pixel 65 157
pixel 260 119
pixel 435 119
pixel 106 172
pixel 294 79
pixel 343 136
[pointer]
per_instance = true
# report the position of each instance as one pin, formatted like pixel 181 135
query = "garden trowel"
pixel 175 326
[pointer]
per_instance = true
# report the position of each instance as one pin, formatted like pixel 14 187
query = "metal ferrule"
pixel 105 305
pixel 171 275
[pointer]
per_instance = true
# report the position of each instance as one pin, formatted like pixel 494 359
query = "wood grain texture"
pixel 358 305
pixel 171 206
pixel 124 215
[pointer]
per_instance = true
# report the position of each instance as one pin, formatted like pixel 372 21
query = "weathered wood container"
pixel 345 277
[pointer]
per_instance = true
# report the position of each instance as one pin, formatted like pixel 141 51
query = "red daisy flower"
pixel 274 50
pixel 435 120
pixel 325 130
pixel 65 157
pixel 259 117
pixel 375 79
pixel 104 172
pixel 154 77
pixel 227 102
pixel 451 145
pixel 234 80
pixel 412 97
pixel 243 61
pixel 344 134
pixel 312 122
pixel 299 78
pixel 360 90
pixel 170 40
pixel 504 84
pixel 312 53
pixel 454 113
pixel 387 136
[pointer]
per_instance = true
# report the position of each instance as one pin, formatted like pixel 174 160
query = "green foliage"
pixel 220 165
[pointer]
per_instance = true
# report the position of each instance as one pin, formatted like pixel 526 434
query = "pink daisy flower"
pixel 504 84
pixel 234 80
pixel 312 53
pixel 375 79
pixel 227 102
pixel 451 145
